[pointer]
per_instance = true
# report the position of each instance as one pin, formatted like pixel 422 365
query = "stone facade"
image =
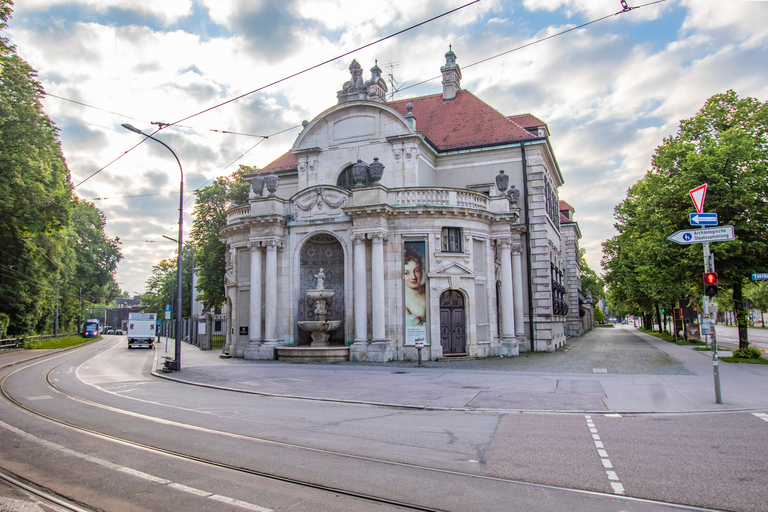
pixel 432 250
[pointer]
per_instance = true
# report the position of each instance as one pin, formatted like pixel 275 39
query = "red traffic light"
pixel 710 284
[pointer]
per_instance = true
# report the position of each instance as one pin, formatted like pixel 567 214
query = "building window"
pixel 451 240
pixel 553 203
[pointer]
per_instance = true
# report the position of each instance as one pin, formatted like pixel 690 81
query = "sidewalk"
pixel 617 370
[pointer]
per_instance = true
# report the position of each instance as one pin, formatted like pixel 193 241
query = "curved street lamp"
pixel 176 364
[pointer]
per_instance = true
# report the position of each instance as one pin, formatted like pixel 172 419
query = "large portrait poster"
pixel 415 287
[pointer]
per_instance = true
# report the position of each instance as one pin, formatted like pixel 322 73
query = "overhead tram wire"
pixel 327 61
pixel 624 10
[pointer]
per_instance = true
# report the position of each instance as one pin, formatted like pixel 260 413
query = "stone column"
pixel 270 294
pixel 517 285
pixel 255 311
pixel 360 291
pixel 508 341
pixel 378 299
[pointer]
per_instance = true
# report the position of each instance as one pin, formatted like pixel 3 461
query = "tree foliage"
pixel 211 206
pixel 52 246
pixel 725 145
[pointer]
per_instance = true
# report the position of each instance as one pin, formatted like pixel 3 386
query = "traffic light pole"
pixel 709 266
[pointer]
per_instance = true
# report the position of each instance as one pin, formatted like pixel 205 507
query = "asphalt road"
pixel 464 460
pixel 728 337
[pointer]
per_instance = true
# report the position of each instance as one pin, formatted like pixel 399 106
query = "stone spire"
pixel 377 88
pixel 451 76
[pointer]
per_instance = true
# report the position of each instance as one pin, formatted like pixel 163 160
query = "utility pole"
pixel 56 314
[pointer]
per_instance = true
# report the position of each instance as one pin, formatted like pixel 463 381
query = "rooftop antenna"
pixel 391 77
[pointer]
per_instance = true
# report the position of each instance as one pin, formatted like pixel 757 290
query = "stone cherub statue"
pixel 320 276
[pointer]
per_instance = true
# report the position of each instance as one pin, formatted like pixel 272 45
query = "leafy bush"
pixel 4 321
pixel 751 352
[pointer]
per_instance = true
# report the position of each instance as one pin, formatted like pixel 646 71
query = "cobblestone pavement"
pixel 603 350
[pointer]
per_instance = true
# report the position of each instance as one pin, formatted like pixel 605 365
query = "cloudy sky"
pixel 609 92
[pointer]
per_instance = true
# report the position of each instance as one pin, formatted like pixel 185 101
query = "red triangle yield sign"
pixel 697 195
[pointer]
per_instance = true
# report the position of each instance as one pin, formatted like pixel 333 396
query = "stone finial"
pixel 409 116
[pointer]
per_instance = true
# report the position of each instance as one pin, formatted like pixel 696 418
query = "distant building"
pixel 433 220
pixel 117 317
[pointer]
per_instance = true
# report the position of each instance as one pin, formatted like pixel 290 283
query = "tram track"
pixel 253 471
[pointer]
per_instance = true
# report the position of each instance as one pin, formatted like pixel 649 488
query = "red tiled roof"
pixel 565 206
pixel 465 122
pixel 286 162
pixel 527 120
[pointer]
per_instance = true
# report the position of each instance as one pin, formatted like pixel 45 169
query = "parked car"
pixel 110 331
pixel 119 332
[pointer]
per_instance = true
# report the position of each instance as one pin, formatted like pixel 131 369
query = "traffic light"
pixel 710 284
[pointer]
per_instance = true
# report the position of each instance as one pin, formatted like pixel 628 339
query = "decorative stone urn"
pixel 502 181
pixel 359 171
pixel 319 328
pixel 272 181
pixel 257 183
pixel 376 170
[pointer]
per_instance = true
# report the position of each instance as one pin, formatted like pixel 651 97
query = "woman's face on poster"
pixel 413 275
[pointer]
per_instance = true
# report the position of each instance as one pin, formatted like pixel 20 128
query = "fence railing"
pixel 11 343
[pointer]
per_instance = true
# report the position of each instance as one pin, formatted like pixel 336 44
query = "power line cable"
pixel 164 125
pixel 327 61
pixel 624 10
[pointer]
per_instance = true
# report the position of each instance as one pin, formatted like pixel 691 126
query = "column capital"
pixel 358 238
pixel 378 235
pixel 254 245
pixel 504 241
pixel 273 243
pixel 517 247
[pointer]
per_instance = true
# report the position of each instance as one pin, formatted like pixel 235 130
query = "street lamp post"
pixel 176 364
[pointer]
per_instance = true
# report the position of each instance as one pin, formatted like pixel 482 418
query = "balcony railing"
pixel 416 196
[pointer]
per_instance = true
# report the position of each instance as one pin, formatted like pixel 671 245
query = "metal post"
pixel 177 354
pixel 709 266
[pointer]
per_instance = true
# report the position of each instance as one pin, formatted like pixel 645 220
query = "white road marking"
pixel 42 397
pixel 133 472
pixel 761 415
pixel 617 487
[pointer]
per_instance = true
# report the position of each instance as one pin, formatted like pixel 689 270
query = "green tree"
pixel 52 247
pixel 723 145
pixel 590 281
pixel 211 206
pixel 35 196
pixel 759 295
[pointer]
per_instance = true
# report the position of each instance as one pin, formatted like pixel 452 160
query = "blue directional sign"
pixel 760 277
pixel 703 219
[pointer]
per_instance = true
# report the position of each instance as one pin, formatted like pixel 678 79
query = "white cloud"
pixel 167 11
pixel 609 93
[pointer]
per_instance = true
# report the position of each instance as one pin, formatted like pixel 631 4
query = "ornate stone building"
pixel 430 222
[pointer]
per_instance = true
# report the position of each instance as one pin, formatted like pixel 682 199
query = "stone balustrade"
pixel 414 196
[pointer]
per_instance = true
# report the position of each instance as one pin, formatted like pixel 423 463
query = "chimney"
pixel 451 76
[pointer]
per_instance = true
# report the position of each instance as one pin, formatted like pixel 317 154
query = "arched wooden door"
pixel 452 322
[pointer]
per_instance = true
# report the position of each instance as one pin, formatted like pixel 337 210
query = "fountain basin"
pixel 320 325
pixel 320 294
pixel 330 354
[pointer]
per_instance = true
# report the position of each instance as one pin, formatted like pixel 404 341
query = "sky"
pixel 610 92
